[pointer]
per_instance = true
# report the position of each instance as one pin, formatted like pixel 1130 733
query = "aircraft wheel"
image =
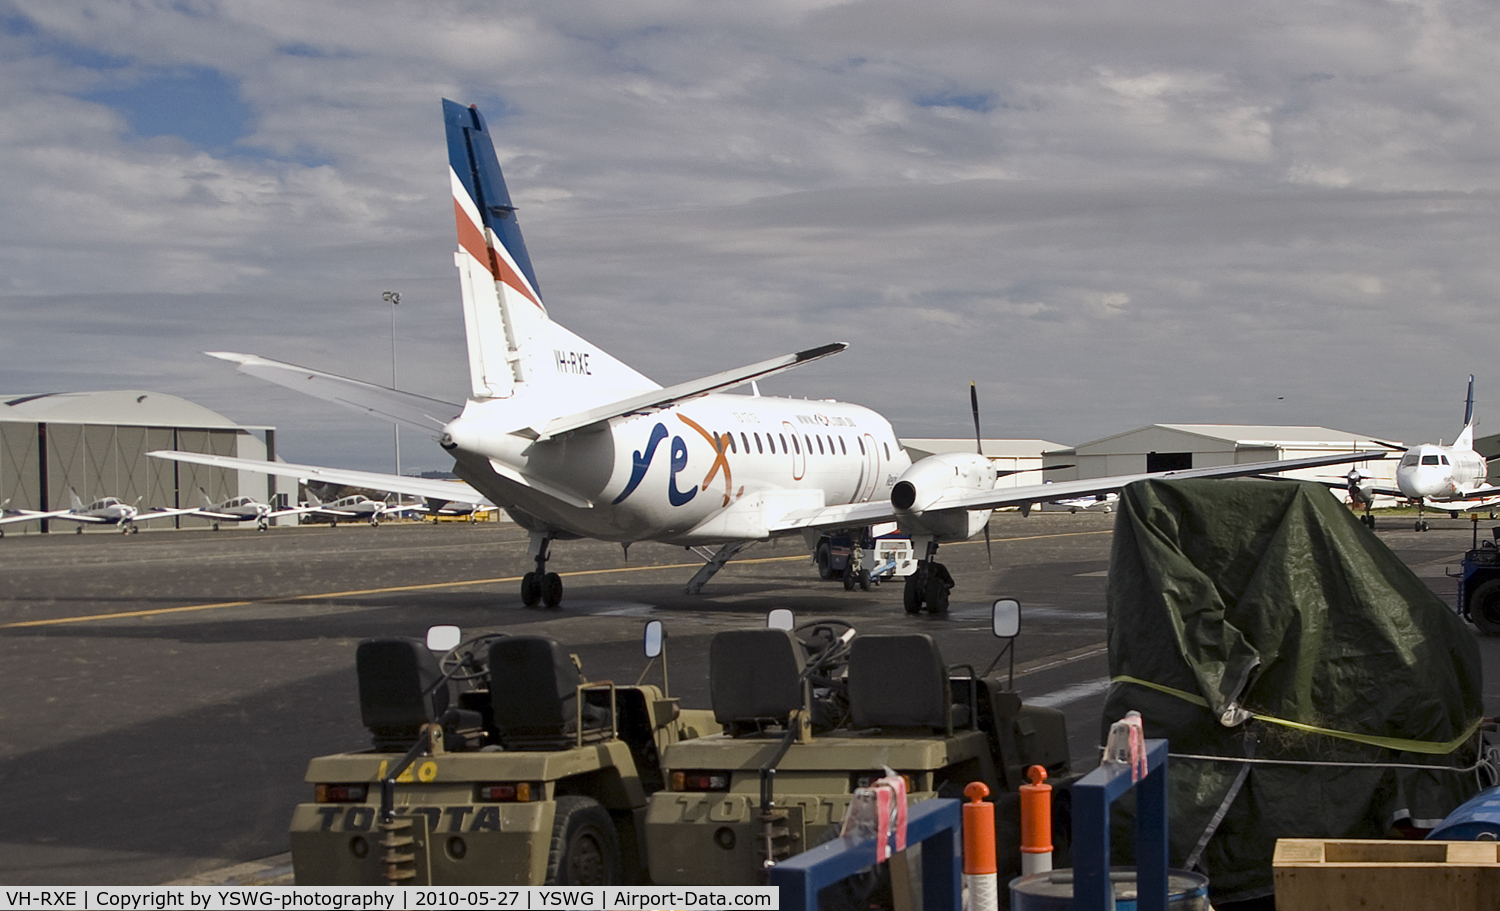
pixel 824 561
pixel 374 522
pixel 216 526
pixel 916 589
pixel 1484 608
pixel 78 530
pixel 585 850
pixel 135 529
pixel 531 592
pixel 864 580
pixel 551 590
pixel 849 581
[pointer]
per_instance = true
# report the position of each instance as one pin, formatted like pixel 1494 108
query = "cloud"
pixel 1109 214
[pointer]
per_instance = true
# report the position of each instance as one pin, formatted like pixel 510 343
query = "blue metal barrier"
pixel 934 824
pixel 1092 796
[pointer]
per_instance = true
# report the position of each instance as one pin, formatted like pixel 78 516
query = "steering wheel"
pixel 823 638
pixel 469 660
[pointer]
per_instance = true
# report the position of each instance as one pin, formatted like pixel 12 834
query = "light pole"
pixel 394 298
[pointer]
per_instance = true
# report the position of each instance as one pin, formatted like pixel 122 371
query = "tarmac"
pixel 167 689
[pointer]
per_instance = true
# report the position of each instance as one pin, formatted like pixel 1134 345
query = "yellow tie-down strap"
pixel 1390 743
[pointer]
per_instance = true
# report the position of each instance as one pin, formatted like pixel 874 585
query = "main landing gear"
pixel 929 586
pixel 540 586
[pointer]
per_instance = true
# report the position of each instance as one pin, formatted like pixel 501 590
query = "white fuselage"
pixel 1437 472
pixel 241 509
pixel 713 469
pixel 108 510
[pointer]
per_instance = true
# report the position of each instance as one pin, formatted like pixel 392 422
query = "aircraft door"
pixel 799 458
pixel 871 472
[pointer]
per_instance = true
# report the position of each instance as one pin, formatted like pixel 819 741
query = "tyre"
pixel 551 590
pixel 824 561
pixel 864 580
pixel 585 850
pixel 531 592
pixel 915 592
pixel 849 581
pixel 1484 608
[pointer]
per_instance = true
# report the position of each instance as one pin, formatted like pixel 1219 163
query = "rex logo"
pixel 641 463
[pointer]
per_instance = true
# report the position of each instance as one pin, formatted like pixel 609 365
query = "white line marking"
pixel 1070 694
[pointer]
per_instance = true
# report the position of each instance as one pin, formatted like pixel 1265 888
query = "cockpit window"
pixel 1444 459
pixel 1429 460
pixel 1409 460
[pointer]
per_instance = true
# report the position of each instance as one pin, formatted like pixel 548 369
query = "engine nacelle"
pixel 921 486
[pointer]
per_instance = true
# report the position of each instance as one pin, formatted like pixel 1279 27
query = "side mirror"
pixel 655 638
pixel 781 618
pixel 444 638
pixel 1005 618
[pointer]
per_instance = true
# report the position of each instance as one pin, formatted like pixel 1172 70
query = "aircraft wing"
pixel 661 398
pixel 78 517
pixel 407 408
pixel 457 491
pixel 26 515
pixel 855 514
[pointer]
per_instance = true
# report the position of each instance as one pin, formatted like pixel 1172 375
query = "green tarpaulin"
pixel 1260 620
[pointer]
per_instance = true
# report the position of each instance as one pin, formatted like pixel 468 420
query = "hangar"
pixel 95 443
pixel 1167 447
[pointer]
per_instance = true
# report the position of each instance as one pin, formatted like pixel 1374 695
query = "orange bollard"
pixel 1036 823
pixel 981 873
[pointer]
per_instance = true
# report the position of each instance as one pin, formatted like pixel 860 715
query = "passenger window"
pixel 861 442
pixel 843 450
pixel 784 447
pixel 746 440
pixel 820 447
pixel 887 448
pixel 758 448
pixel 728 441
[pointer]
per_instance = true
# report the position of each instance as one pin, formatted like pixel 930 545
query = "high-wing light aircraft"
pixel 1432 473
pixel 573 443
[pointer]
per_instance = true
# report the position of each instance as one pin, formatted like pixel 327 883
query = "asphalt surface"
pixel 165 690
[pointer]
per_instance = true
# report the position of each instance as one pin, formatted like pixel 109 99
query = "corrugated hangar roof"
pixel 128 407
pixel 1250 434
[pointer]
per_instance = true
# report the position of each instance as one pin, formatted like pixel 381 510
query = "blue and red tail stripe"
pixel 471 154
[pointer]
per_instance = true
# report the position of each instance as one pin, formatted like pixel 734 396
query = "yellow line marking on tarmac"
pixel 160 611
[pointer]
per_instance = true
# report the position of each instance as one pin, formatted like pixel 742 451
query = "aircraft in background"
pixel 574 443
pixel 244 509
pixel 1435 474
pixel 1104 502
pixel 112 511
pixel 354 506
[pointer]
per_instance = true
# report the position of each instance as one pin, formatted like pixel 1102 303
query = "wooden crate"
pixel 1314 874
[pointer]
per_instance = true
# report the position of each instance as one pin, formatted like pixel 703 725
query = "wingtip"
pixel 811 354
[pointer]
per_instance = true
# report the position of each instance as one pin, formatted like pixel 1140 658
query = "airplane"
pixel 574 443
pixel 354 506
pixel 1432 473
pixel 1103 502
pixel 244 509
pixel 112 511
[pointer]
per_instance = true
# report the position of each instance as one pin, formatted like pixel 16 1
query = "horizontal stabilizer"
pixel 656 399
pixel 407 408
pixel 416 487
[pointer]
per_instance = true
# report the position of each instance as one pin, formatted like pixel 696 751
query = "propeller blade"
pixel 988 554
pixel 1391 446
pixel 974 403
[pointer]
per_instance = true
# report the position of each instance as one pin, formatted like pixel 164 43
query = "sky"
pixel 1107 214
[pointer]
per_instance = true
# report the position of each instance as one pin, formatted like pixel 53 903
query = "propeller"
pixel 989 554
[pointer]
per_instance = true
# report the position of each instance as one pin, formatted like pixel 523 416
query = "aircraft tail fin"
pixel 73 501
pixel 1466 436
pixel 208 503
pixel 513 344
